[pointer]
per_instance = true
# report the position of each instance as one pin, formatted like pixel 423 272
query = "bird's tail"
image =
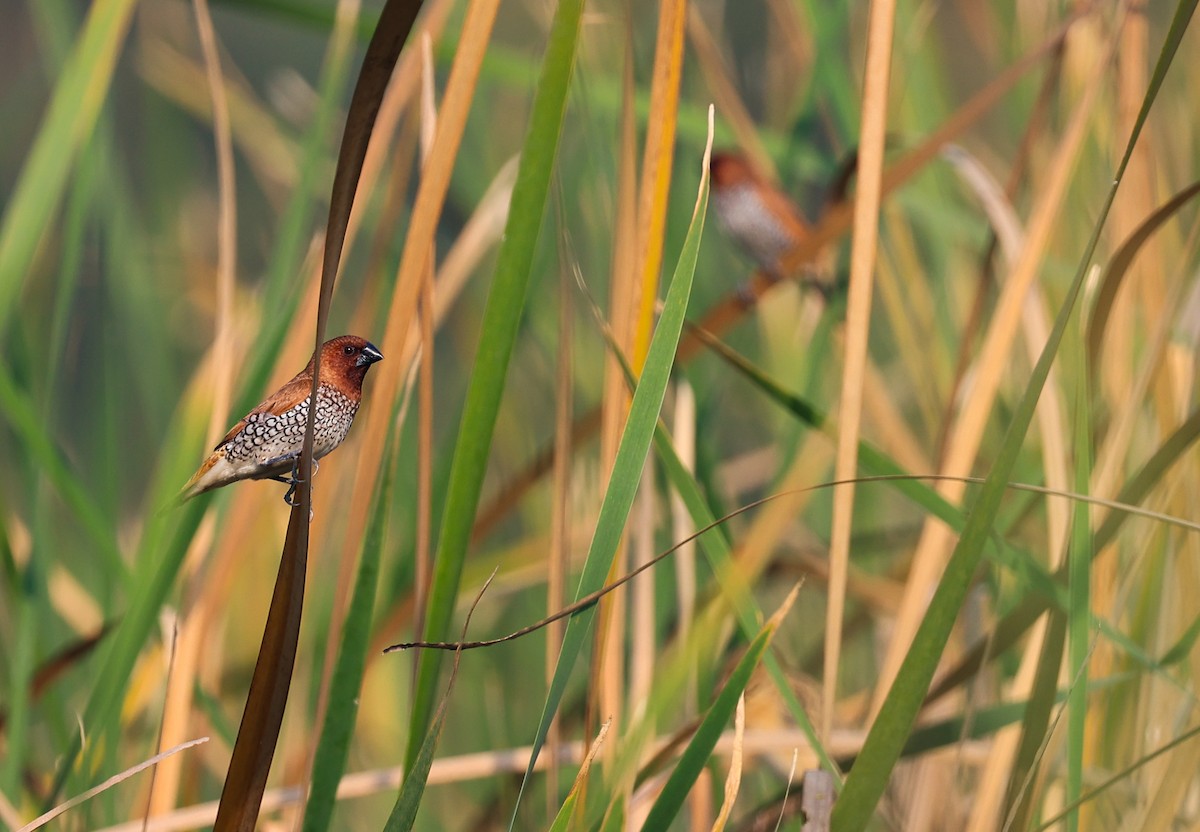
pixel 203 480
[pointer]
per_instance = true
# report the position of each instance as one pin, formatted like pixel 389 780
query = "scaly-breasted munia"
pixel 266 443
pixel 764 222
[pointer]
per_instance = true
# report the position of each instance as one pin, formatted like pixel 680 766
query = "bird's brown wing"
pixel 281 401
pixel 786 210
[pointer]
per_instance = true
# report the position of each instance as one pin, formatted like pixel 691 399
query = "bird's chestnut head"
pixel 347 359
pixel 729 169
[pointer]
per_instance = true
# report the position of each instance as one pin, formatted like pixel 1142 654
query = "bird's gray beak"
pixel 368 356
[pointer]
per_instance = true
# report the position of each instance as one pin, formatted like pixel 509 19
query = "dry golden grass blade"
pixel 642 648
pixel 387 148
pixel 480 233
pixel 431 194
pixel 560 526
pixel 478 236
pixel 212 566
pixel 683 434
pixel 177 707
pixel 1051 409
pixel 734 781
pixel 272 156
pixel 725 94
pixel 933 547
pixel 42 820
pixel 858 320
pixel 657 158
pixel 1140 195
pixel 906 298
pixel 425 328
pixel 622 320
pixel 226 227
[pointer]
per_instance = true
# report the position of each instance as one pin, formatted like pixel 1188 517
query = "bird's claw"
pixel 294 480
pixel 290 497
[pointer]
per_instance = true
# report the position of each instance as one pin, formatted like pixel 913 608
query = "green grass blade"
pixel 408 802
pixel 21 416
pixel 28 600
pixel 696 755
pixel 1118 267
pixel 627 469
pixel 497 337
pixel 562 820
pixel 869 777
pixel 333 748
pixel 1079 617
pixel 78 96
pixel 1019 801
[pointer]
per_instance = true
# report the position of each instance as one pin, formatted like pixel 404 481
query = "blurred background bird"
pixel 764 222
pixel 266 443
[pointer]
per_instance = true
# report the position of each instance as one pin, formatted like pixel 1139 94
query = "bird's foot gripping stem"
pixel 294 480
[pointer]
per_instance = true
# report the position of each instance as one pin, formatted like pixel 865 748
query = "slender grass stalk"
pixel 858 316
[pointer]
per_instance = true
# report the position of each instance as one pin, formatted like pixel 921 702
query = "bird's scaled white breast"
pixel 267 438
pixel 741 212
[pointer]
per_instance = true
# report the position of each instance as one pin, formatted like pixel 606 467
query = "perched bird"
pixel 764 222
pixel 266 443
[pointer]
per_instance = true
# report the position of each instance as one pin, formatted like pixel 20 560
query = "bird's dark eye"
pixel 349 350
